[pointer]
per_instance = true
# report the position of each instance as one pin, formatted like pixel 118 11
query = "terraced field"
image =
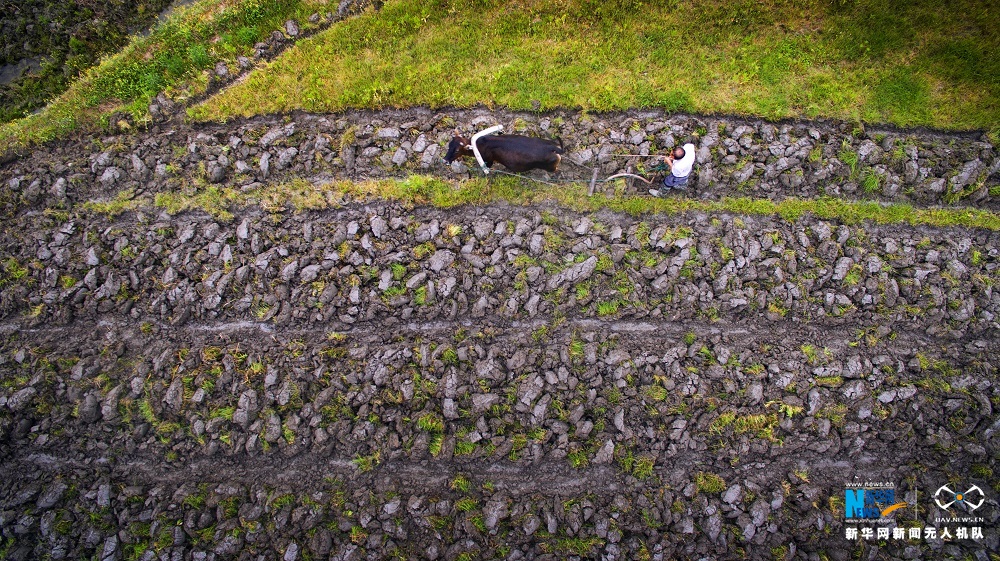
pixel 305 337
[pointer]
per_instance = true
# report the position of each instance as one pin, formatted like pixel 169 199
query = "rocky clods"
pixel 386 264
pixel 488 383
pixel 735 157
pixel 436 441
pixel 375 380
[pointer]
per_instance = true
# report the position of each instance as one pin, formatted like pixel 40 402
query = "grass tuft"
pixel 708 482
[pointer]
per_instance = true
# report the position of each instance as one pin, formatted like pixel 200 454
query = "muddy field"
pixel 377 380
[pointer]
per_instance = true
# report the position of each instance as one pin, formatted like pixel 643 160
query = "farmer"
pixel 680 160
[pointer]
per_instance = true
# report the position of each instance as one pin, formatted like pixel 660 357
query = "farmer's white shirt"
pixel 682 167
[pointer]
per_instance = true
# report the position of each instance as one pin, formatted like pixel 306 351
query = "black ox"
pixel 516 153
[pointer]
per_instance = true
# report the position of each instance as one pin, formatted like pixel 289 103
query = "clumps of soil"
pixel 374 379
pixel 387 264
pixel 438 440
pixel 377 380
pixel 736 157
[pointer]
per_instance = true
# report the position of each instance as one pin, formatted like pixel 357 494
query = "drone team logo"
pixel 971 499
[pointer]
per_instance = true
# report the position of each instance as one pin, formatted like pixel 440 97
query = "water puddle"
pixel 169 10
pixel 11 72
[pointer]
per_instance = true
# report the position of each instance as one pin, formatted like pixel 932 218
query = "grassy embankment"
pixel 300 195
pixel 925 63
pixel 67 38
pixel 176 57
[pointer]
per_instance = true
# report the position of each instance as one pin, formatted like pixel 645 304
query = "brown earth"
pixel 376 380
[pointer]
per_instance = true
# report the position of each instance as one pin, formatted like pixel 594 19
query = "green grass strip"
pixel 300 195
pixel 437 192
pixel 928 63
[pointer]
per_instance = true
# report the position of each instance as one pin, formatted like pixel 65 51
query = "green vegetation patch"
pixel 67 37
pixel 929 64
pixel 123 202
pixel 760 426
pixel 428 190
pixel 708 482
pixel 445 194
pixel 175 57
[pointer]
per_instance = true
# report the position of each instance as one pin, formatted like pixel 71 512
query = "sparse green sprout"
pixel 657 393
pixel 146 410
pixel 849 157
pixel 464 447
pixel 540 334
pixel 223 413
pixel 465 504
pixel 358 535
pixel 576 350
pixel 706 354
pixel 261 309
pixel 643 467
pixel 124 201
pixel 829 381
pixel 195 501
pixel 871 181
pixel 282 501
pixel 760 426
pixel 604 263
pixel 575 546
pixel 423 250
pixel 811 354
pixel 853 276
pixel 211 354
pixel 786 409
pixel 14 269
pixel 578 459
pixel 776 308
pixel 982 471
pixel 461 484
pixel 708 482
pixel 614 395
pixel 367 463
pixel 431 422
pixel 420 296
pixel 398 271
pixel 816 154
pixel 435 443
pixel 392 292
pixel 608 308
